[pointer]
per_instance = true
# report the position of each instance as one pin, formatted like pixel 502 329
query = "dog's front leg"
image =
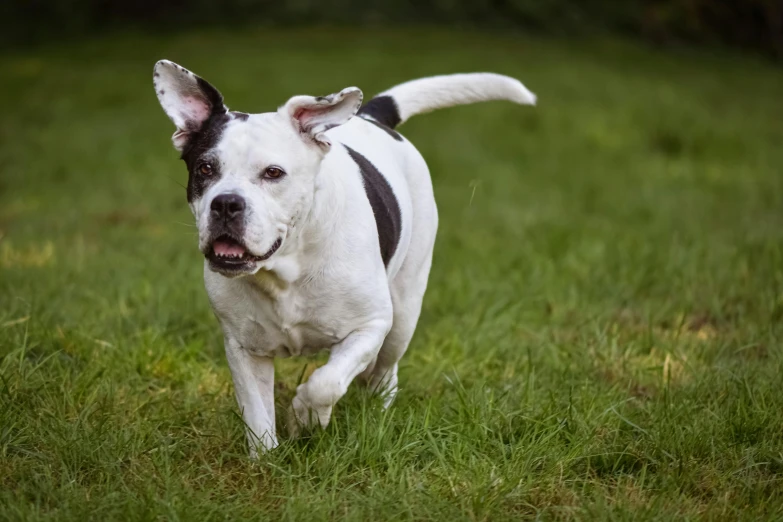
pixel 254 385
pixel 315 398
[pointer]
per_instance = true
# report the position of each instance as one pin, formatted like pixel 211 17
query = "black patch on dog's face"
pixel 388 219
pixel 391 132
pixel 203 139
pixel 382 109
pixel 197 150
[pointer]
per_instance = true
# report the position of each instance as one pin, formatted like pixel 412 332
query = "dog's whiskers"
pixel 175 180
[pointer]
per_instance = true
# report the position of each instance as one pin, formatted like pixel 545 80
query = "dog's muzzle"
pixel 229 255
pixel 226 251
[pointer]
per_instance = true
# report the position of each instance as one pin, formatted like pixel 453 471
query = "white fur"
pixel 326 287
pixel 437 92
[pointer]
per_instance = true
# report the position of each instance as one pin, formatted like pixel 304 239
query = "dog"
pixel 317 223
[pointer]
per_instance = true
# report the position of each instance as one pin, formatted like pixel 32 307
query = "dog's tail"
pixel 399 103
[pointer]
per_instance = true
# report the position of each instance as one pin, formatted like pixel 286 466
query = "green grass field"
pixel 601 338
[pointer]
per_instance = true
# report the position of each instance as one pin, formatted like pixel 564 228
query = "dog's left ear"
pixel 312 116
pixel 187 99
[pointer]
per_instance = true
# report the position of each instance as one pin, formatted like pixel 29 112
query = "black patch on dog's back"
pixel 391 132
pixel 382 109
pixel 388 219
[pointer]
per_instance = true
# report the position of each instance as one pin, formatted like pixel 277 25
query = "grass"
pixel 601 338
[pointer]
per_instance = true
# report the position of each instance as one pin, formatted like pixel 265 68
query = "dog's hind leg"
pixel 407 293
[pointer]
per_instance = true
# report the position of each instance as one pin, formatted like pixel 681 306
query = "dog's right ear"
pixel 187 99
pixel 313 116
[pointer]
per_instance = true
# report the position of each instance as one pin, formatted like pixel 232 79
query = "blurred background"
pixel 750 24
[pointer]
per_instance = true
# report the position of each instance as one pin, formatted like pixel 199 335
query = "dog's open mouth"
pixel 230 255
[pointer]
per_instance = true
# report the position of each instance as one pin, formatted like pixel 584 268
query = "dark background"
pixel 755 25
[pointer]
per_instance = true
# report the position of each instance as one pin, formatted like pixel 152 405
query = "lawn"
pixel 601 337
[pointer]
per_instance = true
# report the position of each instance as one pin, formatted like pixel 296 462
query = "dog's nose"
pixel 227 206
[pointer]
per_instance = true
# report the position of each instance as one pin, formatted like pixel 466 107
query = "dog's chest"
pixel 289 323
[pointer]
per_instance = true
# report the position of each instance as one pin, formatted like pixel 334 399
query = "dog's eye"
pixel 273 172
pixel 205 169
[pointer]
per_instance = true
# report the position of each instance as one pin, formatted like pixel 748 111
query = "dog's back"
pixel 400 192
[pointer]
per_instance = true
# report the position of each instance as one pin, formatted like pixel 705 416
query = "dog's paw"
pixel 259 445
pixel 303 415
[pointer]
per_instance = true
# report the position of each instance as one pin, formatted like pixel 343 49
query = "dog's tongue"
pixel 225 248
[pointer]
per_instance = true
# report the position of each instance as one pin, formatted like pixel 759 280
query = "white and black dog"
pixel 317 223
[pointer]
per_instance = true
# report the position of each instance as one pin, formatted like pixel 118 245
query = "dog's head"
pixel 251 176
